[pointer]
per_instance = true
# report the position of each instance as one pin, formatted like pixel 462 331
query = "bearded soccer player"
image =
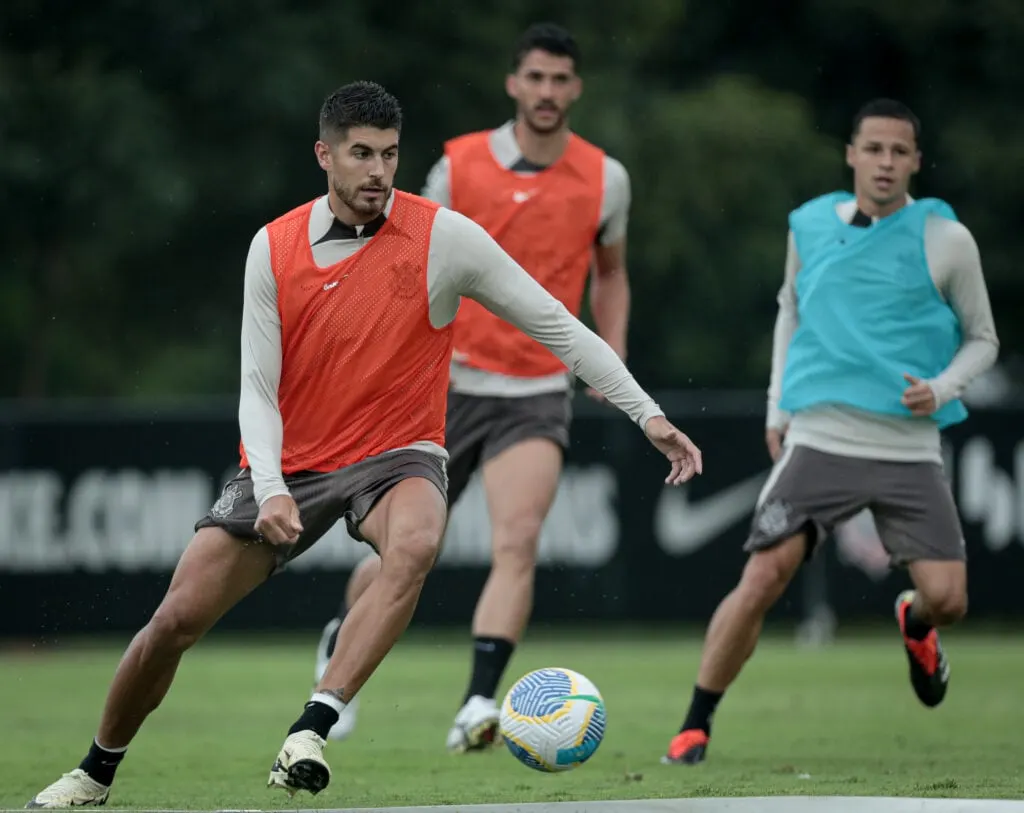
pixel 346 344
pixel 884 319
pixel 559 206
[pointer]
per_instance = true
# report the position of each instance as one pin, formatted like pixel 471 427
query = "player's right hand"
pixel 773 438
pixel 278 521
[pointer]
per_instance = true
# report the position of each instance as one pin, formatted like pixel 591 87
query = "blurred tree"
pixel 143 146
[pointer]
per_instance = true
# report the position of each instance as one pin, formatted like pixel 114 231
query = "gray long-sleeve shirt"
pixel 463 260
pixel 955 266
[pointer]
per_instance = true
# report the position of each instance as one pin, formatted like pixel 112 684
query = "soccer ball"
pixel 553 719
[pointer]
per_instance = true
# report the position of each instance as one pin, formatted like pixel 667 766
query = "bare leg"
pixel 215 572
pixel 939 600
pixel 520 483
pixel 406 526
pixel 362 577
pixel 359 582
pixel 941 596
pixel 736 625
pixel 731 639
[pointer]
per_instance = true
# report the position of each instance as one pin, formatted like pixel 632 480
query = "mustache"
pixel 546 106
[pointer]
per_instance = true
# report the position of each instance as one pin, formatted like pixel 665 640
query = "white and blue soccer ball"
pixel 553 719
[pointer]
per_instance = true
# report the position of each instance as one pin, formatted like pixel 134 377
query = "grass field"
pixel 835 721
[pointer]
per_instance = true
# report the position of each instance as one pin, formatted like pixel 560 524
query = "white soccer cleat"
pixel 75 789
pixel 301 764
pixel 347 720
pixel 475 727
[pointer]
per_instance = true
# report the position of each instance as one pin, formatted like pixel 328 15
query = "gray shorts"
pixel 323 498
pixel 812 491
pixel 480 427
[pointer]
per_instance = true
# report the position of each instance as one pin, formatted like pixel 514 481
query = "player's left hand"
pixel 597 395
pixel 918 397
pixel 684 456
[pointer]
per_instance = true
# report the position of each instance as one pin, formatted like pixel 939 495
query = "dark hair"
pixel 547 37
pixel 358 104
pixel 887 109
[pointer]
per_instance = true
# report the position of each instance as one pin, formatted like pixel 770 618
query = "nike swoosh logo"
pixel 683 526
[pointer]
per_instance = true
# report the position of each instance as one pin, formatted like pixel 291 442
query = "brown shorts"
pixel 323 498
pixel 812 491
pixel 480 427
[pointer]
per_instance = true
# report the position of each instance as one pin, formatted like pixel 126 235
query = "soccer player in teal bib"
pixel 884 319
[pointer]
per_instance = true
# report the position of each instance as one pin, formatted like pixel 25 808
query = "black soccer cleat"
pixel 929 669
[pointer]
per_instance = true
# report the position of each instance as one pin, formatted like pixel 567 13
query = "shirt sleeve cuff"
pixel 651 411
pixel 263 491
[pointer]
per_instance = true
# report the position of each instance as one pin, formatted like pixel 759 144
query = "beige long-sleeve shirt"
pixel 463 260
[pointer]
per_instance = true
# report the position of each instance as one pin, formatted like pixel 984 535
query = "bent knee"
pixel 941 589
pixel 515 541
pixel 947 607
pixel 173 628
pixel 412 554
pixel 768 573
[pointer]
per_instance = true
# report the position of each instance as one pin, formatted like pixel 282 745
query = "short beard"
pixel 350 197
pixel 557 125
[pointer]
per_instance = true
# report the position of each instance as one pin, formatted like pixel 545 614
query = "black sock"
pixel 914 628
pixel 490 657
pixel 702 709
pixel 316 716
pixel 101 764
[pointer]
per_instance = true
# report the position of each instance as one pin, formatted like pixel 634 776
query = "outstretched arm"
pixel 470 263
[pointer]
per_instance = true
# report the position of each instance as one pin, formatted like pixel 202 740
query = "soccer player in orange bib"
pixel 347 336
pixel 559 206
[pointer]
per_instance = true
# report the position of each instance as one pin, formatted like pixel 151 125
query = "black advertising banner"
pixel 97 503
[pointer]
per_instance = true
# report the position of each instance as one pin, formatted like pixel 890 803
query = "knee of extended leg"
pixel 766 577
pixel 515 541
pixel 412 552
pixel 174 628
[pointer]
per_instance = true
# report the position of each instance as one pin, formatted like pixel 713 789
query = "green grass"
pixel 836 721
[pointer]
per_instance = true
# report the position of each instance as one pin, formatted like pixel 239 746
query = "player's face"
pixel 883 157
pixel 544 88
pixel 361 169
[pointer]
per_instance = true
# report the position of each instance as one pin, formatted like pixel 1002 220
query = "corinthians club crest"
pixel 226 504
pixel 773 518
